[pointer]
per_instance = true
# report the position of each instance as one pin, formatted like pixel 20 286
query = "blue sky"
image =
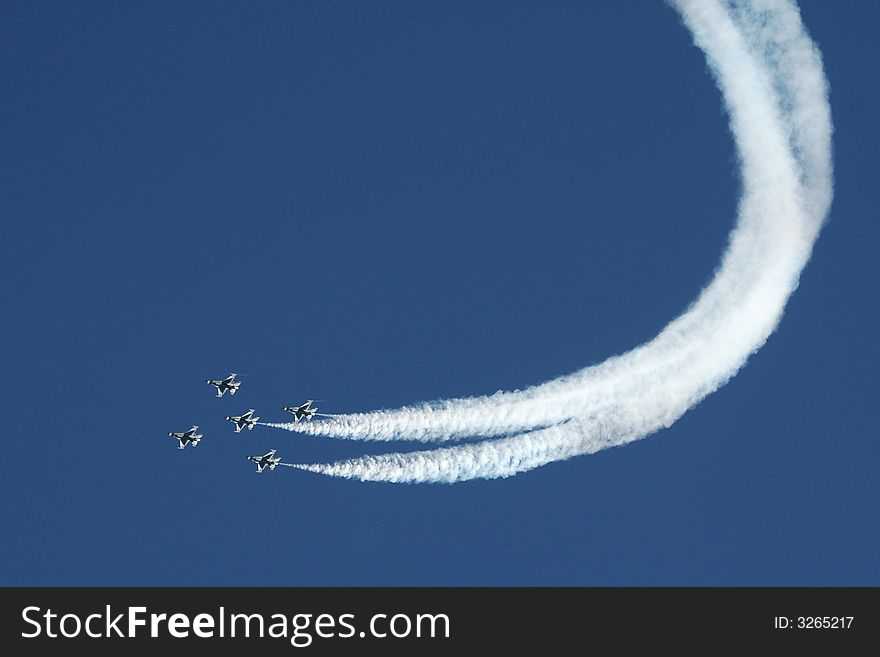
pixel 375 204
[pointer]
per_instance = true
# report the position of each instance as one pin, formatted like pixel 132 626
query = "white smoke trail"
pixel 771 77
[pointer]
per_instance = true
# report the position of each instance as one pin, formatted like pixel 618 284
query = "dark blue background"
pixel 381 203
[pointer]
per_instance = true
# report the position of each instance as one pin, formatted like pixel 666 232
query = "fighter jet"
pixel 186 437
pixel 222 385
pixel 302 411
pixel 267 460
pixel 243 420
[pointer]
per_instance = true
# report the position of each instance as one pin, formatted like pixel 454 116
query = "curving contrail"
pixel 774 89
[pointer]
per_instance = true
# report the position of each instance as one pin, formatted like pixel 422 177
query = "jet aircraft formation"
pixel 247 420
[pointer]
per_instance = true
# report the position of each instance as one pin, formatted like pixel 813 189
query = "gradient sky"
pixel 378 203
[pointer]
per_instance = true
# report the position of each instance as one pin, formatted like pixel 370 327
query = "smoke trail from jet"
pixel 771 78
